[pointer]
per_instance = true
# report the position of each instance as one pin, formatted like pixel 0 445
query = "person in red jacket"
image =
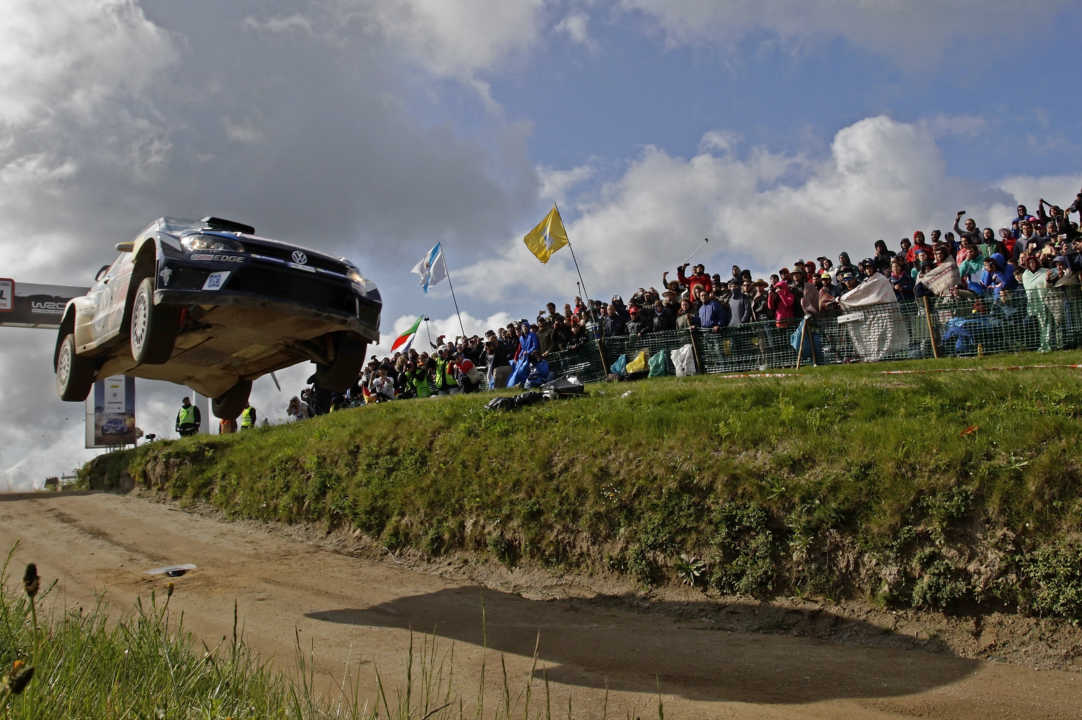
pixel 781 302
pixel 918 245
pixel 698 279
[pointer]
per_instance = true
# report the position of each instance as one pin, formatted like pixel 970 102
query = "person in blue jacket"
pixel 528 342
pixel 539 371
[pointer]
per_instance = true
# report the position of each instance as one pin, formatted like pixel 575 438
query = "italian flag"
pixel 406 338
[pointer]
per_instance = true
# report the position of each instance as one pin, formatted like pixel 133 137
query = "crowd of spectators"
pixel 1031 253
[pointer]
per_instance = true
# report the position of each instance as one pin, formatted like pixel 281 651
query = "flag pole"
pixel 589 305
pixel 453 298
pixel 585 292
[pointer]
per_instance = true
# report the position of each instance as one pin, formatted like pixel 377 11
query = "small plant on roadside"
pixel 691 570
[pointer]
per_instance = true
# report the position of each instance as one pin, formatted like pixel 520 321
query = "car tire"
pixel 74 374
pixel 153 329
pixel 340 375
pixel 232 402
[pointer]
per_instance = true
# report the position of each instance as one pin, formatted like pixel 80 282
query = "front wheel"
pixel 153 329
pixel 74 374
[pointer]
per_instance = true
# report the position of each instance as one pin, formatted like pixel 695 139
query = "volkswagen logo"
pixel 299 257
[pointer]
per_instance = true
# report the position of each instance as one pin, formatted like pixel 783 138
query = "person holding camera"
pixel 970 231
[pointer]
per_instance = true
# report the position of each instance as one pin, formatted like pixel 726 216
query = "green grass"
pixel 89 664
pixel 954 491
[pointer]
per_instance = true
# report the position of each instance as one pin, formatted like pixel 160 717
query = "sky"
pixel 371 129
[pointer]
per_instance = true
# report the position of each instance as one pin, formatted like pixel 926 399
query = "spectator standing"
pixel 845 265
pixel 739 304
pixel 445 383
pixel 634 325
pixel 1020 217
pixel 686 318
pixel 248 418
pixel 188 418
pixel 882 257
pixel 297 410
pixel 699 278
pixel 782 302
pixel 664 318
pixel 382 386
pixel 712 315
pixel 1035 282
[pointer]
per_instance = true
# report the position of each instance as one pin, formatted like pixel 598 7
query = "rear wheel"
pixel 340 375
pixel 153 328
pixel 74 374
pixel 232 402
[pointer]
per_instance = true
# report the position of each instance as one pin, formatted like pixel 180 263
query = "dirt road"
pixel 358 613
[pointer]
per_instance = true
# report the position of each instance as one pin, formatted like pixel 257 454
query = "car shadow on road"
pixel 622 644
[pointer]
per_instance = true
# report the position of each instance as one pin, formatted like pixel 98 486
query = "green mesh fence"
pixel 1040 320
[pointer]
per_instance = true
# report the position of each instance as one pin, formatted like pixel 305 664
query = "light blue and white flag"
pixel 432 268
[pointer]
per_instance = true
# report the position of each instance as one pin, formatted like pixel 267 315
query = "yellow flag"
pixel 548 237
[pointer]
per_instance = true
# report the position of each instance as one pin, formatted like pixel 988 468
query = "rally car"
pixel 211 305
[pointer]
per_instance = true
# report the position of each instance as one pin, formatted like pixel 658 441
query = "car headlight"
pixel 363 284
pixel 210 243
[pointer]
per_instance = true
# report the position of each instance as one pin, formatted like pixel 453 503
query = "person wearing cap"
pixel 759 309
pixel 634 324
pixel 867 269
pixel 544 335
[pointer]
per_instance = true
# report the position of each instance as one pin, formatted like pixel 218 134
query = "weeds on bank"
pixel 82 664
pixel 839 481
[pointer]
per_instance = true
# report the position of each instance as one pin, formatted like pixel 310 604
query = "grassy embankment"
pixel 956 491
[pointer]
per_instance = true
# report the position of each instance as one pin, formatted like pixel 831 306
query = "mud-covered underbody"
pixel 218 345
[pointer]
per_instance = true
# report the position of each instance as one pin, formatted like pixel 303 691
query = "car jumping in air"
pixel 211 305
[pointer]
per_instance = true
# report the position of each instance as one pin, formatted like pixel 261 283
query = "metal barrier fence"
pixel 929 327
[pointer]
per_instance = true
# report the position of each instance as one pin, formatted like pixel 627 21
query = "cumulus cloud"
pixel 881 179
pixel 75 56
pixel 720 140
pixel 576 26
pixel 912 34
pixel 453 39
pixel 114 115
pixel 555 183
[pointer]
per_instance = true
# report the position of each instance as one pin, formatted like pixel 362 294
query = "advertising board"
pixel 7 295
pixel 110 412
pixel 33 305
